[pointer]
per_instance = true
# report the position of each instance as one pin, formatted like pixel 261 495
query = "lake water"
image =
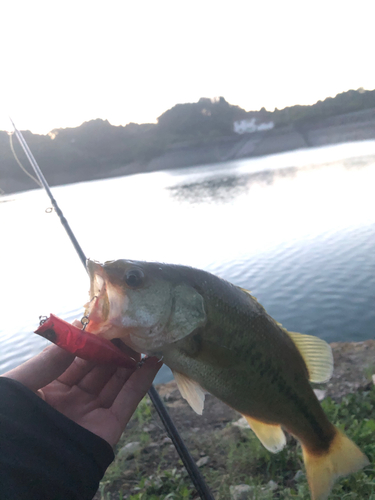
pixel 297 229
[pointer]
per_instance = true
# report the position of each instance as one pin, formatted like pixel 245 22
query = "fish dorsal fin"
pixel 191 391
pixel 248 292
pixel 272 437
pixel 317 355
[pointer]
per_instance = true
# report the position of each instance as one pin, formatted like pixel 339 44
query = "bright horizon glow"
pixel 67 63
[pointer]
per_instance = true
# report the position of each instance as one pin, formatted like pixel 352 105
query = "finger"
pixel 134 390
pixel 114 385
pixel 126 349
pixel 96 379
pixel 79 369
pixel 43 368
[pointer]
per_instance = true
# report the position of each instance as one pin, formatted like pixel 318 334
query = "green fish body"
pixel 217 338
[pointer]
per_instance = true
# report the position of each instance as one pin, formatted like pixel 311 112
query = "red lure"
pixel 83 344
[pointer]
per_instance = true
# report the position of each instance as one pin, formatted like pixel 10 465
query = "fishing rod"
pixel 190 465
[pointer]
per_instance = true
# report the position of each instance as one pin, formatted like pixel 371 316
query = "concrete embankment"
pixel 225 449
pixel 344 128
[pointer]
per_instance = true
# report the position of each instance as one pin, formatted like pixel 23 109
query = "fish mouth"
pixel 103 310
pixel 104 304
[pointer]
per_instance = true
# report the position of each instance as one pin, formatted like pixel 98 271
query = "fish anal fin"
pixel 343 457
pixel 191 391
pixel 317 355
pixel 271 436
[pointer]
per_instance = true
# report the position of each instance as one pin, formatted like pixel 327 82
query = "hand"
pixel 100 398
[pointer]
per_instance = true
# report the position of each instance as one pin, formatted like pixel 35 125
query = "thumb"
pixel 42 369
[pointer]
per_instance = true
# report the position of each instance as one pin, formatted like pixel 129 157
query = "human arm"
pixel 62 446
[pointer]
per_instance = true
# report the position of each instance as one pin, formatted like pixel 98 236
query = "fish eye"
pixel 134 278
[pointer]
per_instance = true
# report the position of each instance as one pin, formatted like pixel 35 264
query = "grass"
pixel 369 371
pixel 237 457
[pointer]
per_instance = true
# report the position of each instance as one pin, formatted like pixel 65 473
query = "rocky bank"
pixel 354 366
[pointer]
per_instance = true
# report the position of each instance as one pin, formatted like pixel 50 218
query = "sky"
pixel 64 63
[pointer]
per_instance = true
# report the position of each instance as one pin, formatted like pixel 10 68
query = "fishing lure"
pixel 83 344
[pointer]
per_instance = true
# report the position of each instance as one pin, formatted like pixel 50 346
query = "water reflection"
pixel 224 188
pixel 219 189
pixel 359 162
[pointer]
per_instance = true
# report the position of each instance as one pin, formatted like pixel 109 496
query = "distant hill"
pixel 97 149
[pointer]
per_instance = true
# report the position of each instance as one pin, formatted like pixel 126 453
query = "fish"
pixel 82 343
pixel 218 339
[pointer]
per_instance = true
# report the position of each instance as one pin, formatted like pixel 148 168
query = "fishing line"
pixel 44 183
pixel 18 161
pixel 188 461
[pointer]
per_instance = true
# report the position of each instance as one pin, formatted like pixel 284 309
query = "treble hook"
pixel 144 359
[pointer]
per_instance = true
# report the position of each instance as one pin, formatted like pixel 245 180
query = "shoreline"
pixel 351 127
pixel 256 145
pixel 146 458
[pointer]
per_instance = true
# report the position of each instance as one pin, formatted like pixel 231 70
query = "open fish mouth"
pixel 97 308
pixel 104 305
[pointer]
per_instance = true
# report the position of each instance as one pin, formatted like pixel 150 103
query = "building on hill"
pixel 249 126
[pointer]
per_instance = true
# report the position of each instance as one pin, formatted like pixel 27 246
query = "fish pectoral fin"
pixel 317 355
pixel 271 436
pixel 191 391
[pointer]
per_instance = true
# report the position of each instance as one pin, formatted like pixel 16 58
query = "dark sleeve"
pixel 43 454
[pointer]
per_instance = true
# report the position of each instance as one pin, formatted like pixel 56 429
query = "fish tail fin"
pixel 322 469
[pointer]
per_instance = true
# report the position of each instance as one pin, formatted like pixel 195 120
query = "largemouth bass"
pixel 217 338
